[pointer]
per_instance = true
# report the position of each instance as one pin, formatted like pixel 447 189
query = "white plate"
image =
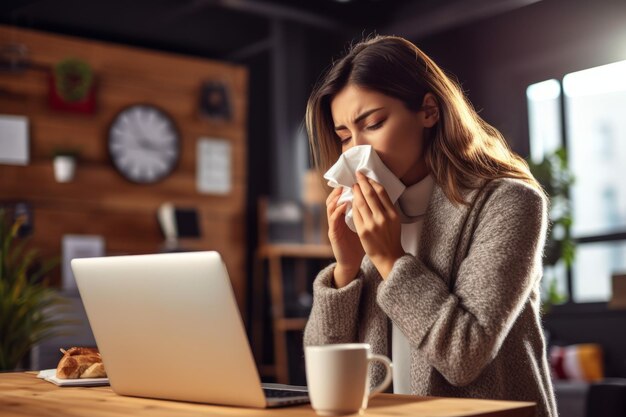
pixel 50 376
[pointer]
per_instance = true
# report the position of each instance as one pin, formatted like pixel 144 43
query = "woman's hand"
pixel 345 243
pixel 377 223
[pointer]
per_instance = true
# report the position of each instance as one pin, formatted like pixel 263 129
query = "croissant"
pixel 80 362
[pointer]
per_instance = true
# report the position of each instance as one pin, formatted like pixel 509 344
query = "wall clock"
pixel 144 143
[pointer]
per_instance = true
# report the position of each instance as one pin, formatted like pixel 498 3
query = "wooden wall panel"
pixel 99 201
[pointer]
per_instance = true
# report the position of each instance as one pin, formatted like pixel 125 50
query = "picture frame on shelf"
pixel 77 246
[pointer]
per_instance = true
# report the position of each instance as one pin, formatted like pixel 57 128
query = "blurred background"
pixel 144 126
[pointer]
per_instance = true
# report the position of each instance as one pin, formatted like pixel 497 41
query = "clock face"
pixel 144 144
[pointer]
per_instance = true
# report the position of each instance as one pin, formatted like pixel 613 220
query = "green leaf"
pixel 555 176
pixel 27 305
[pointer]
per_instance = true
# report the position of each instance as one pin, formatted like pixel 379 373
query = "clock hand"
pixel 150 146
pixel 147 144
pixel 144 143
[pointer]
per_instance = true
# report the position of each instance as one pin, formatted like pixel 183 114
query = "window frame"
pixel 571 306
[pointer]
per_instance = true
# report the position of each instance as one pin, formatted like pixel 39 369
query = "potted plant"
pixel 556 178
pixel 72 86
pixel 24 296
pixel 64 162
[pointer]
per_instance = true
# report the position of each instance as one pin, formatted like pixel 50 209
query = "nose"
pixel 358 139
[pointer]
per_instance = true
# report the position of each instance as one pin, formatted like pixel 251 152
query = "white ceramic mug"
pixel 338 379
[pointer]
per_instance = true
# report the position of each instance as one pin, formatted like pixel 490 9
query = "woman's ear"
pixel 431 110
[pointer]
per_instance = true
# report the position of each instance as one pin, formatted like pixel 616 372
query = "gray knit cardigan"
pixel 468 304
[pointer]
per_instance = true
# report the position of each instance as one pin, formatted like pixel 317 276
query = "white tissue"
pixel 365 160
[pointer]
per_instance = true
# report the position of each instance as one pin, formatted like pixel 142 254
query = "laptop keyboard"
pixel 283 393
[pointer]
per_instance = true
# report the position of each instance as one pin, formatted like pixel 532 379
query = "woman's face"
pixel 366 117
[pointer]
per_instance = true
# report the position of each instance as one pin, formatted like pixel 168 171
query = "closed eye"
pixel 372 127
pixel 375 126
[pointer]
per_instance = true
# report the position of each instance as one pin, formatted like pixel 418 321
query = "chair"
pixel 274 255
pixel 607 398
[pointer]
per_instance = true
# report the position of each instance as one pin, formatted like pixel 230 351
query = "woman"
pixel 447 280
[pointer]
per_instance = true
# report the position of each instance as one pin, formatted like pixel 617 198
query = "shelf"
pixel 273 254
pixel 296 250
pixel 287 324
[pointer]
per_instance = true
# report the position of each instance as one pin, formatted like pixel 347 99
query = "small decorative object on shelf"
pixel 14 57
pixel 72 87
pixel 177 223
pixel 215 101
pixel 65 164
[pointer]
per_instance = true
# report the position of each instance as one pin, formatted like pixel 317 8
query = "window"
pixel 586 114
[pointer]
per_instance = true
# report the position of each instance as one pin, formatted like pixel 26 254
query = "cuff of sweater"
pixel 412 297
pixel 336 307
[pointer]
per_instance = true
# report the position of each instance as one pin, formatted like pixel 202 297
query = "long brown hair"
pixel 461 149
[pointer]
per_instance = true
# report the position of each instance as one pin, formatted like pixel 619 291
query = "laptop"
pixel 168 327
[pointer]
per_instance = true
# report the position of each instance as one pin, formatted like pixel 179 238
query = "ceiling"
pixel 211 27
pixel 220 28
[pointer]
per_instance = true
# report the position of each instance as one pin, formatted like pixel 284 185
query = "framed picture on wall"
pixel 215 101
pixel 213 166
pixel 14 146
pixel 78 246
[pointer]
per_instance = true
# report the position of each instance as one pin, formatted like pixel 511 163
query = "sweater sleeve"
pixel 334 314
pixel 460 332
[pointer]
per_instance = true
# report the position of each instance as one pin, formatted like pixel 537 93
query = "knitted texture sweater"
pixel 469 304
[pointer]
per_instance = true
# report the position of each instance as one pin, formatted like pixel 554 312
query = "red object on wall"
pixel 86 105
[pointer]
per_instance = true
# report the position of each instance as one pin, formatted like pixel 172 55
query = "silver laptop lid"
pixel 168 327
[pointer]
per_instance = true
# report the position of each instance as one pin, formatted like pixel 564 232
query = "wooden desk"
pixel 23 395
